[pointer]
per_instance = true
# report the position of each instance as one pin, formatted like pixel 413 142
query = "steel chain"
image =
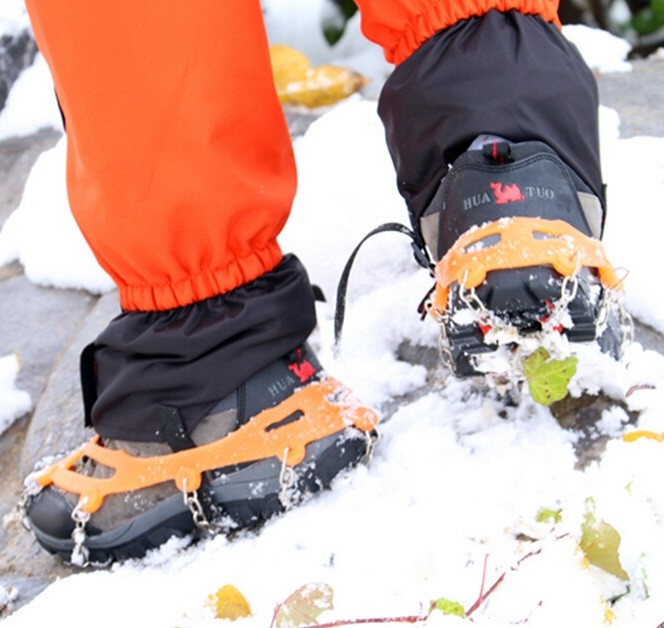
pixel 198 515
pixel 287 478
pixel 372 437
pixel 80 554
pixel 568 292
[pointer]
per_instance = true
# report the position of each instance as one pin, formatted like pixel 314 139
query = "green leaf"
pixel 548 379
pixel 335 24
pixel 547 515
pixel 649 19
pixel 600 542
pixel 448 607
pixel 303 607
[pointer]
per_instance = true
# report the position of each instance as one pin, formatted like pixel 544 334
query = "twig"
pixel 481 597
pixel 636 387
pixel 405 619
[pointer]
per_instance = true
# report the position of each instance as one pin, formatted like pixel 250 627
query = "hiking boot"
pixel 280 437
pixel 516 233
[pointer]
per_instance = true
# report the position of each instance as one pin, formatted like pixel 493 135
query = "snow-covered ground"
pixel 452 497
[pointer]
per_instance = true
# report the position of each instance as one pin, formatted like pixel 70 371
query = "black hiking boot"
pixel 276 440
pixel 517 235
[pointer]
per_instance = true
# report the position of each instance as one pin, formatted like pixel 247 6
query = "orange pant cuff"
pixel 202 285
pixel 440 15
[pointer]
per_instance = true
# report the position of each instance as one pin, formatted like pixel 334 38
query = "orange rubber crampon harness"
pixel 317 410
pixel 508 243
pixel 522 243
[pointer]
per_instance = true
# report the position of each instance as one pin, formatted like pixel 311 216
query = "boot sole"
pixel 519 296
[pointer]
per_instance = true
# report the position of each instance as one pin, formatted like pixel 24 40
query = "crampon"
pixel 511 286
pixel 279 458
pixel 521 283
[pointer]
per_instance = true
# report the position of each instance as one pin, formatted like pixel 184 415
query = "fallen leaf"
pixel 630 437
pixel 548 379
pixel 303 607
pixel 600 543
pixel 448 607
pixel 229 603
pixel 548 515
pixel 298 83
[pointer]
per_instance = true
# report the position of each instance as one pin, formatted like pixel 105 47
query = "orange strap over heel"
pixel 523 242
pixel 312 413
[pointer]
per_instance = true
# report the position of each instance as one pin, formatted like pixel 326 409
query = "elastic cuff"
pixel 440 15
pixel 203 285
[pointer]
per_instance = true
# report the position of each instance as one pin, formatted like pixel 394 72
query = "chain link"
pixel 485 316
pixel 198 515
pixel 568 292
pixel 603 310
pixel 442 318
pixel 30 489
pixel 372 438
pixel 611 300
pixel 287 477
pixel 80 554
pixel 626 325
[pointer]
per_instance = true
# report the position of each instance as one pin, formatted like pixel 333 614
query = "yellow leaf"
pixel 630 437
pixel 298 83
pixel 229 603
pixel 288 65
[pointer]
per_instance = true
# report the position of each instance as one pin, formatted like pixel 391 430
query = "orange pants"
pixel 180 169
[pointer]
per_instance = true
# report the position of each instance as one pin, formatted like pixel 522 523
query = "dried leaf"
pixel 548 379
pixel 229 603
pixel 298 83
pixel 600 543
pixel 303 607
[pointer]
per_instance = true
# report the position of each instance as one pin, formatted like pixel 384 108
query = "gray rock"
pixel 638 96
pixel 38 324
pixel 57 423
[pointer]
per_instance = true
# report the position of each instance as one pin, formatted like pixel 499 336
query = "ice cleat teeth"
pixel 520 283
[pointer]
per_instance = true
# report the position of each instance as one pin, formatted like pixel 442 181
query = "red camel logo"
pixel 507 193
pixel 302 370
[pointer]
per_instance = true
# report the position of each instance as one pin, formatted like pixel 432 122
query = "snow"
pixel 42 234
pixel 452 494
pixel 601 50
pixel 13 403
pixel 33 86
pixel 13 17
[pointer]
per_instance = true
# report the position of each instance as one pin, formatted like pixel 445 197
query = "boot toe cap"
pixel 49 512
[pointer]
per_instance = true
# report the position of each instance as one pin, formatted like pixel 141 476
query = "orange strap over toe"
pixel 523 242
pixel 312 413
